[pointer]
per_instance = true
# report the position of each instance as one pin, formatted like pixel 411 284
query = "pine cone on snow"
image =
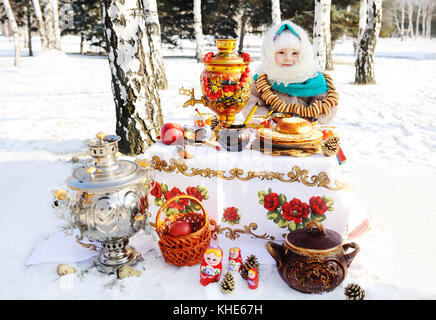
pixel 63 269
pixel 127 271
pixel 354 292
pixel 331 146
pixel 228 283
pixel 250 262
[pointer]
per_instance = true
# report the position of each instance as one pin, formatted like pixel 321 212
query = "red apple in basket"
pixel 179 228
pixel 171 133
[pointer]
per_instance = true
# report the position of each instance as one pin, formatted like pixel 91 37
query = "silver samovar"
pixel 108 203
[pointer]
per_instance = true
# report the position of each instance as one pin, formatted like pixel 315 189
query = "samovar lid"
pixel 226 54
pixel 105 173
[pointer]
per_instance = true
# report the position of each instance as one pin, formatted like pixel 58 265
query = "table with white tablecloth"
pixel 252 198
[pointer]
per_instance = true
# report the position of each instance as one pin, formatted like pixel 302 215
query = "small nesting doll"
pixel 211 266
pixel 235 260
pixel 253 278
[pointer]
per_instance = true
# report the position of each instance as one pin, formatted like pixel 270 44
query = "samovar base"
pixel 115 255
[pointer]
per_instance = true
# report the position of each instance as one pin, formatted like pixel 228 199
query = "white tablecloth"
pixel 254 197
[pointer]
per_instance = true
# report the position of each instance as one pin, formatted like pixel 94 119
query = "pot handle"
pixel 350 256
pixel 276 251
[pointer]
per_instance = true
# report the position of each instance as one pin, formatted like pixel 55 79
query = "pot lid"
pixel 105 173
pixel 314 236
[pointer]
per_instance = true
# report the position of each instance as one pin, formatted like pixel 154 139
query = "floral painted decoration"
pixel 231 215
pixel 161 193
pixel 207 57
pixel 214 88
pixel 294 214
pixel 246 56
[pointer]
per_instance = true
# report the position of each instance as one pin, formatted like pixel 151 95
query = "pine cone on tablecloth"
pixel 250 262
pixel 354 292
pixel 331 146
pixel 214 122
pixel 228 283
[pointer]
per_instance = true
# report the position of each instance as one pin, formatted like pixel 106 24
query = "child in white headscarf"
pixel 288 78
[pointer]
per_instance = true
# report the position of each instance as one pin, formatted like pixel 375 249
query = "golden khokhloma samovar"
pixel 226 81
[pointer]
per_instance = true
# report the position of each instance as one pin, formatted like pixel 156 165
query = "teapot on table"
pixel 313 259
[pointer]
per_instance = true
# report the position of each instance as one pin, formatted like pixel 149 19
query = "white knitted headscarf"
pixel 305 68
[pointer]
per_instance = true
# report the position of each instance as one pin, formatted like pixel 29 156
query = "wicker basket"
pixel 186 250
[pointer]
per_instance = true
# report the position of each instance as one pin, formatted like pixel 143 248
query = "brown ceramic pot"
pixel 313 259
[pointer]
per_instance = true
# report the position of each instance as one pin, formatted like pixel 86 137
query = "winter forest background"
pixel 69 69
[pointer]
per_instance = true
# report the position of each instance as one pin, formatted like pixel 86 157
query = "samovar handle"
pixel 61 203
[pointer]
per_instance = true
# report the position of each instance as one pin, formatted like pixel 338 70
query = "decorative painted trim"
pixel 233 234
pixel 295 175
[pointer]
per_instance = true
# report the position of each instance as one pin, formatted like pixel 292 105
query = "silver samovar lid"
pixel 105 173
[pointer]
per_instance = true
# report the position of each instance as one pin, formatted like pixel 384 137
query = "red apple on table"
pixel 179 228
pixel 171 133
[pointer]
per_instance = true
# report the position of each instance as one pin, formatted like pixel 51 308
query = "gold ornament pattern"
pixel 233 234
pixel 295 175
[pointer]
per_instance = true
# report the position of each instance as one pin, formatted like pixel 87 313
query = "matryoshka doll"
pixel 235 260
pixel 211 265
pixel 253 278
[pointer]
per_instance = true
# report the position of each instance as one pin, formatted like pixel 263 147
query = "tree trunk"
pixel 137 102
pixel 198 30
pixel 49 27
pixel 366 52
pixel 15 31
pixel 397 23
pixel 42 32
pixel 153 29
pixel 402 6
pixel 275 11
pixel 410 18
pixel 82 41
pixel 418 14
pixel 430 6
pixel 29 27
pixel 321 32
pixel 56 25
pixel 242 31
pixel 424 17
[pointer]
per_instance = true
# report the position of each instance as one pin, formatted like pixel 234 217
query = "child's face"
pixel 286 57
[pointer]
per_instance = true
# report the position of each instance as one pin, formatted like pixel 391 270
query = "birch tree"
pixel 366 47
pixel 275 11
pixel 429 15
pixel 15 31
pixel 321 33
pixel 198 31
pixel 154 32
pixel 410 18
pixel 418 15
pixel 41 26
pixel 56 25
pixel 137 102
pixel 49 25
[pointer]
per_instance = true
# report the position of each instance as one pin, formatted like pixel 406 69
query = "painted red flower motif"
pixel 178 204
pixel 193 191
pixel 318 205
pixel 231 214
pixel 271 201
pixel 295 210
pixel 207 57
pixel 246 56
pixel 156 191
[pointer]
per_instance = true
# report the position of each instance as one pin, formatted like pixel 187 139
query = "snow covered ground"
pixel 54 101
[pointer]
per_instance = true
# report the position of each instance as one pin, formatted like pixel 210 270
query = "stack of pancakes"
pixel 291 133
